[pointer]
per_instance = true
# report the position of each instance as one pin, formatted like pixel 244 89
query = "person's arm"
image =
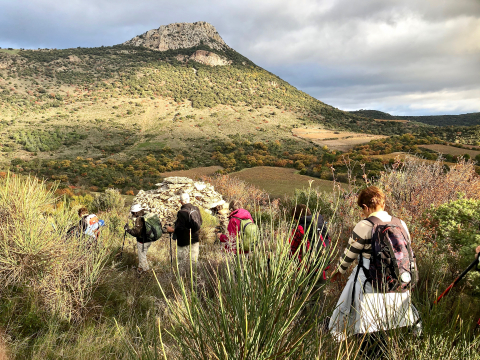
pixel 477 250
pixel 356 245
pixel 231 230
pixel 138 227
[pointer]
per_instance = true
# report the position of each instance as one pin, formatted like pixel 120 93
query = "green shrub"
pixel 107 201
pixel 457 229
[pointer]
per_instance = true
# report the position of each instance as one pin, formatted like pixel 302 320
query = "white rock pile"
pixel 165 200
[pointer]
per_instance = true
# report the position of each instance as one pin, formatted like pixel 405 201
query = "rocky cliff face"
pixel 179 36
pixel 206 58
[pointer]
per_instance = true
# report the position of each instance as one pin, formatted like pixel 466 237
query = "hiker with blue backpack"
pixel 88 228
pixel 376 296
pixel 242 231
pixel 147 228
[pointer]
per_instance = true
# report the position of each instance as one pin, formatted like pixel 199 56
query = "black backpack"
pixel 392 265
pixel 316 232
pixel 194 218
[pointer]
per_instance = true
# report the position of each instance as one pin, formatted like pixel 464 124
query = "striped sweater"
pixel 360 241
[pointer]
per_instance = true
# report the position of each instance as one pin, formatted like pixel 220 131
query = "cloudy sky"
pixel 405 57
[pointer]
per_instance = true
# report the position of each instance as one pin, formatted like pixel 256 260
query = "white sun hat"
pixel 136 208
pixel 185 198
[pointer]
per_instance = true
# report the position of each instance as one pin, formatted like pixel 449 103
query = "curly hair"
pixel 371 197
pixel 82 211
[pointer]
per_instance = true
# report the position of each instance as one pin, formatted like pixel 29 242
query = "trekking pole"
pixel 460 277
pixel 124 236
pixel 171 256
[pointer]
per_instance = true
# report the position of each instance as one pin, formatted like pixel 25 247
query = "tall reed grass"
pixel 58 274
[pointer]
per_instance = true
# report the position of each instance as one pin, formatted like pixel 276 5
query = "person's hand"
pixel 170 229
pixel 338 276
pixel 126 227
pixel 219 235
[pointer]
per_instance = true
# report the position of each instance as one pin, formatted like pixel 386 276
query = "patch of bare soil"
pixel 335 140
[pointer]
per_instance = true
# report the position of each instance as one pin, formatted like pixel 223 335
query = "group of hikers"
pixel 376 295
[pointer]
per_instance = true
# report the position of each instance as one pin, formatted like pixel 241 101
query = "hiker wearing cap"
pixel 186 232
pixel 237 214
pixel 370 285
pixel 139 231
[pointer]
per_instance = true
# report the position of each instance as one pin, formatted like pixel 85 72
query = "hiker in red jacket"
pixel 298 212
pixel 237 213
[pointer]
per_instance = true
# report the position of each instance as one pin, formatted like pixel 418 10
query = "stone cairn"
pixel 165 200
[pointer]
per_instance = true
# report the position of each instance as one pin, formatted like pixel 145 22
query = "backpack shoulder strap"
pixel 375 221
pixel 398 222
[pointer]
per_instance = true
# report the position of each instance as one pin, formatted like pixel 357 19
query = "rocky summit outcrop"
pixel 165 200
pixel 180 36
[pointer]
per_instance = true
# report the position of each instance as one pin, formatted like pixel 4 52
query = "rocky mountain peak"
pixel 179 36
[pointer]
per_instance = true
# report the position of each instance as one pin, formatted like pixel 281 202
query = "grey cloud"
pixel 352 54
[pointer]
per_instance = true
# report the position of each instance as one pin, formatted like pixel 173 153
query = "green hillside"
pixel 470 119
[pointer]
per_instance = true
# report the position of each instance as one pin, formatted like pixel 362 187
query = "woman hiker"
pixel 237 214
pixel 346 318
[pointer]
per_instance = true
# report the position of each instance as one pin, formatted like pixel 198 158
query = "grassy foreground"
pixel 59 300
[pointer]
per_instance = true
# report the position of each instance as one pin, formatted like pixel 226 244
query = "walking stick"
pixel 171 256
pixel 460 277
pixel 124 236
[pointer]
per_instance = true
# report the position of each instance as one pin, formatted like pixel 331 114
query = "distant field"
pixel 280 181
pixel 452 150
pixel 335 140
pixel 193 173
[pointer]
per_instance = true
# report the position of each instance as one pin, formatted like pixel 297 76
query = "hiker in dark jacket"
pixel 186 235
pixel 237 214
pixel 298 234
pixel 302 244
pixel 82 224
pixel 139 231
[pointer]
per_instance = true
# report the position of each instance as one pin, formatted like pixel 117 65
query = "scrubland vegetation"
pixel 63 300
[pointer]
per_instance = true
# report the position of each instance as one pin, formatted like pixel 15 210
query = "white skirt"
pixel 372 312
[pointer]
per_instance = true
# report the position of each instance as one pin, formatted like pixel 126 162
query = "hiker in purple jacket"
pixel 237 213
